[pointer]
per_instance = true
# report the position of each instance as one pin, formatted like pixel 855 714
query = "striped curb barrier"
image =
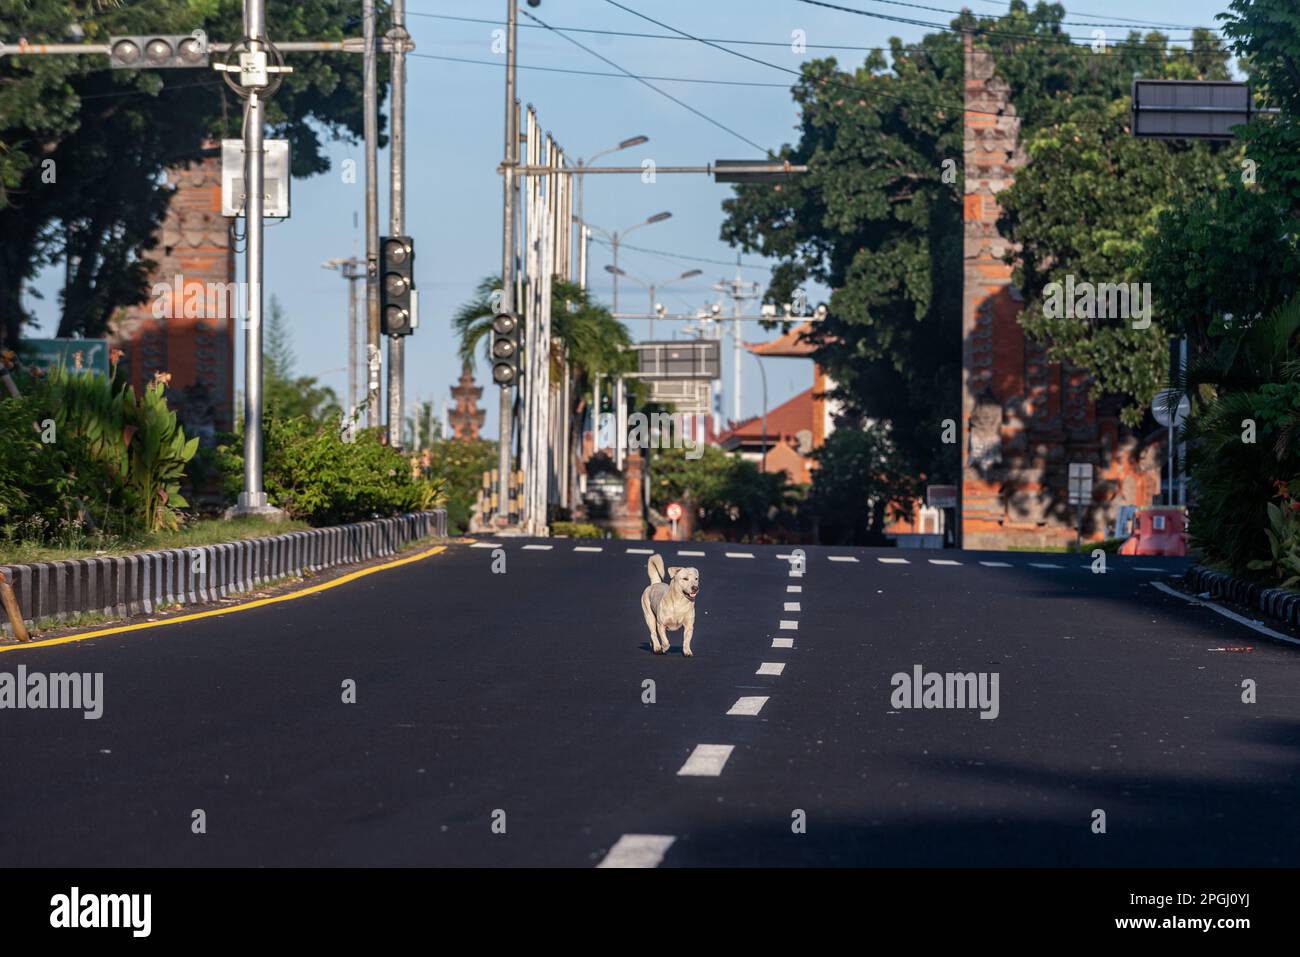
pixel 123 586
pixel 1280 603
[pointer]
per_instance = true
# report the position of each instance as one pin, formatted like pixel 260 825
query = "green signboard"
pixel 72 354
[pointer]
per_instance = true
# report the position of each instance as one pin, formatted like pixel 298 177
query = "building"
pixel 466 418
pixel 187 326
pixel 782 443
pixel 795 428
pixel 1026 419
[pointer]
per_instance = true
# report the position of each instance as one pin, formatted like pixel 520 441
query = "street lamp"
pixel 616 238
pixel 582 184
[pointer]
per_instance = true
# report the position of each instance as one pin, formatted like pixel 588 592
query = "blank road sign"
pixel 1190 109
pixel 678 359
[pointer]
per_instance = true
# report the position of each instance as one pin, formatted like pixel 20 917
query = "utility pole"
pixel 397 211
pixel 371 123
pixel 350 269
pixel 508 252
pixel 739 291
pixel 256 78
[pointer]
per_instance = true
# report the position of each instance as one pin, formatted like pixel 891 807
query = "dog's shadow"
pixel 672 650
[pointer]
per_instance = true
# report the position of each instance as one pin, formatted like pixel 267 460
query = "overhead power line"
pixel 620 76
pixel 1081 13
pixel 683 257
pixel 860 90
pixel 664 93
pixel 1073 23
pixel 1084 46
pixel 1028 37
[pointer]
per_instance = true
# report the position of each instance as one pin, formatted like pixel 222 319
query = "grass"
pixel 204 532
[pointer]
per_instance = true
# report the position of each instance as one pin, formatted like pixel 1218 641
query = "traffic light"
pixel 152 52
pixel 505 348
pixel 396 285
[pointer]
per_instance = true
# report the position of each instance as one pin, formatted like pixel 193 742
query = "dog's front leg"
pixel 687 631
pixel 663 640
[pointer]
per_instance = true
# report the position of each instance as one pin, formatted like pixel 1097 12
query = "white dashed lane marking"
pixel 782 642
pixel 538 548
pixel 748 706
pixel 706 761
pixel 996 564
pixel 893 561
pixel 788 625
pixel 794 589
pixel 841 558
pixel 791 606
pixel 1044 565
pixel 638 850
pixel 690 554
pixel 587 548
pixel 640 551
pixel 486 545
pixel 740 554
pixel 770 668
pixel 943 561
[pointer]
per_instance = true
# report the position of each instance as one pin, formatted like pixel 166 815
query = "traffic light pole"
pixel 370 99
pixel 508 254
pixel 397 214
pixel 252 501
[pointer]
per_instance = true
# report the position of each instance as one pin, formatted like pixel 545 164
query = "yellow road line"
pixel 311 590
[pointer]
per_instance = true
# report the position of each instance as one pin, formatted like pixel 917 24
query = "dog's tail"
pixel 655 566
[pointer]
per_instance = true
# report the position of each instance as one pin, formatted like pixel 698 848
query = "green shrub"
pixel 1283 533
pixel 579 530
pixel 460 465
pixel 158 453
pixel 311 473
pixel 83 459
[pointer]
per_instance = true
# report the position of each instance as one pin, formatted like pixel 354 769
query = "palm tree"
pixel 592 341
pixel 586 341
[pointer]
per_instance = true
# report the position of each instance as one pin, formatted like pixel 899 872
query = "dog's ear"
pixel 672 572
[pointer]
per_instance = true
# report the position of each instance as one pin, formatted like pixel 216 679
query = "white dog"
pixel 670 605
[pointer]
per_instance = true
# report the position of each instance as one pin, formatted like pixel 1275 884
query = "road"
pixel 499 720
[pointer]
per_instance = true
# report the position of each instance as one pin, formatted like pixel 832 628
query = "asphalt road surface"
pixel 500 719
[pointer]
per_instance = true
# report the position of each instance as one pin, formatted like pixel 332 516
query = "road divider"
pixel 228 609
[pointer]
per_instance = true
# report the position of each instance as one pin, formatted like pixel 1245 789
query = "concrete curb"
pixel 138 583
pixel 1280 603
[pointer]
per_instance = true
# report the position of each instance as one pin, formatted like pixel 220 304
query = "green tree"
pixel 1266 35
pixel 586 341
pixel 1083 206
pixel 878 217
pixel 288 395
pixel 592 340
pixel 855 490
pixel 315 476
pixel 84 146
pixel 459 466
pixel 728 493
pixel 1244 440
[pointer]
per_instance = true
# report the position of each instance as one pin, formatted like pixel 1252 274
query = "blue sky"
pixel 455 124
